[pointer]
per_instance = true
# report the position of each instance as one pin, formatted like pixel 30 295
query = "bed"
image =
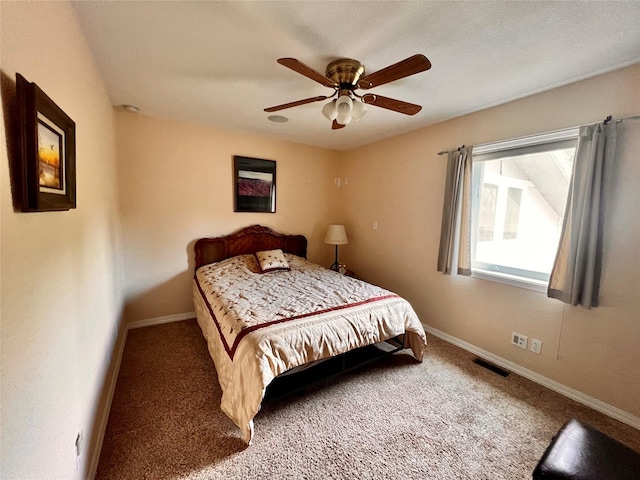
pixel 263 320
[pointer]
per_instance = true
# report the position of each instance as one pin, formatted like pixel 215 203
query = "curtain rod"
pixel 635 117
pixel 606 120
pixel 444 152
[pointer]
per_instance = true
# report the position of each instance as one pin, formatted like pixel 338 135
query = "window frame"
pixel 545 142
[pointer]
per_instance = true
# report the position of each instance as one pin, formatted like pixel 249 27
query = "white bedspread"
pixel 258 325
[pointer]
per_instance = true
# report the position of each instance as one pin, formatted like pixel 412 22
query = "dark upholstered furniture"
pixel 580 452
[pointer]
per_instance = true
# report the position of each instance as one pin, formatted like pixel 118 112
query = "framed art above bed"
pixel 254 182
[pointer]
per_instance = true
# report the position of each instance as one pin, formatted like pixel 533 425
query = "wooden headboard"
pixel 248 240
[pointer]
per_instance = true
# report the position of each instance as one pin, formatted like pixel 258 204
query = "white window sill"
pixel 513 280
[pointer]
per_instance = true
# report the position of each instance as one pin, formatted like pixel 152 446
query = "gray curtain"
pixel 575 277
pixel 455 234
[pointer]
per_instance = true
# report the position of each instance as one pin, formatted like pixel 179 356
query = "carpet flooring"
pixel 445 418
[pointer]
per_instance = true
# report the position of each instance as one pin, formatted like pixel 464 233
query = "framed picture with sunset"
pixel 48 145
pixel 254 184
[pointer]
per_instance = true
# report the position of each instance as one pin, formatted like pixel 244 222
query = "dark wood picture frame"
pixel 254 184
pixel 47 150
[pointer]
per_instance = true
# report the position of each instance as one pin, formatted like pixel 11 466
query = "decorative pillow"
pixel 272 260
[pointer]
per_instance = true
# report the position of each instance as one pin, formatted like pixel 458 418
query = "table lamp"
pixel 336 235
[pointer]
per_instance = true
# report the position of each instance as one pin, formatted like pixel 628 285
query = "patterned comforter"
pixel 259 325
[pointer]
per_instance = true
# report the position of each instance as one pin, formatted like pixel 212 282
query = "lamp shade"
pixel 336 235
pixel 343 118
pixel 358 110
pixel 329 110
pixel 344 104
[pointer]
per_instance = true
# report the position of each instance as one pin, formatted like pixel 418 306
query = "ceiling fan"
pixel 345 76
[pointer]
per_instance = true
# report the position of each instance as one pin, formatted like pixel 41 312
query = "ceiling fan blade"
pixel 295 104
pixel 302 69
pixel 336 126
pixel 391 104
pixel 409 66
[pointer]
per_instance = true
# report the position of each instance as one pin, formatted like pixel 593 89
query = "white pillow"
pixel 272 260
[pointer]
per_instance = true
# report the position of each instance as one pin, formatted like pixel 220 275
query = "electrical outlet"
pixel 519 340
pixel 536 346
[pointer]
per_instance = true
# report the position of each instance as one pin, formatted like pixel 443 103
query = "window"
pixel 487 215
pixel 519 194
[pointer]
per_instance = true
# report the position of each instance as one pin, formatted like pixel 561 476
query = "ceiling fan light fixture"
pixel 344 118
pixel 330 111
pixel 358 110
pixel 344 76
pixel 344 105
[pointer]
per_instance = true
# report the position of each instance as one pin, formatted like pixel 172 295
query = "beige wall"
pixel 62 275
pixel 60 307
pixel 400 184
pixel 176 185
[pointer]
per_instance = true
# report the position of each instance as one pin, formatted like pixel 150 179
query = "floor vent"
pixel 490 366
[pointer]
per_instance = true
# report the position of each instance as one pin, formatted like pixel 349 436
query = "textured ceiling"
pixel 214 63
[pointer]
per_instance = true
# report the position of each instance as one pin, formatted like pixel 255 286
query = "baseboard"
pixel 579 397
pixel 160 320
pixel 113 378
pixel 118 351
